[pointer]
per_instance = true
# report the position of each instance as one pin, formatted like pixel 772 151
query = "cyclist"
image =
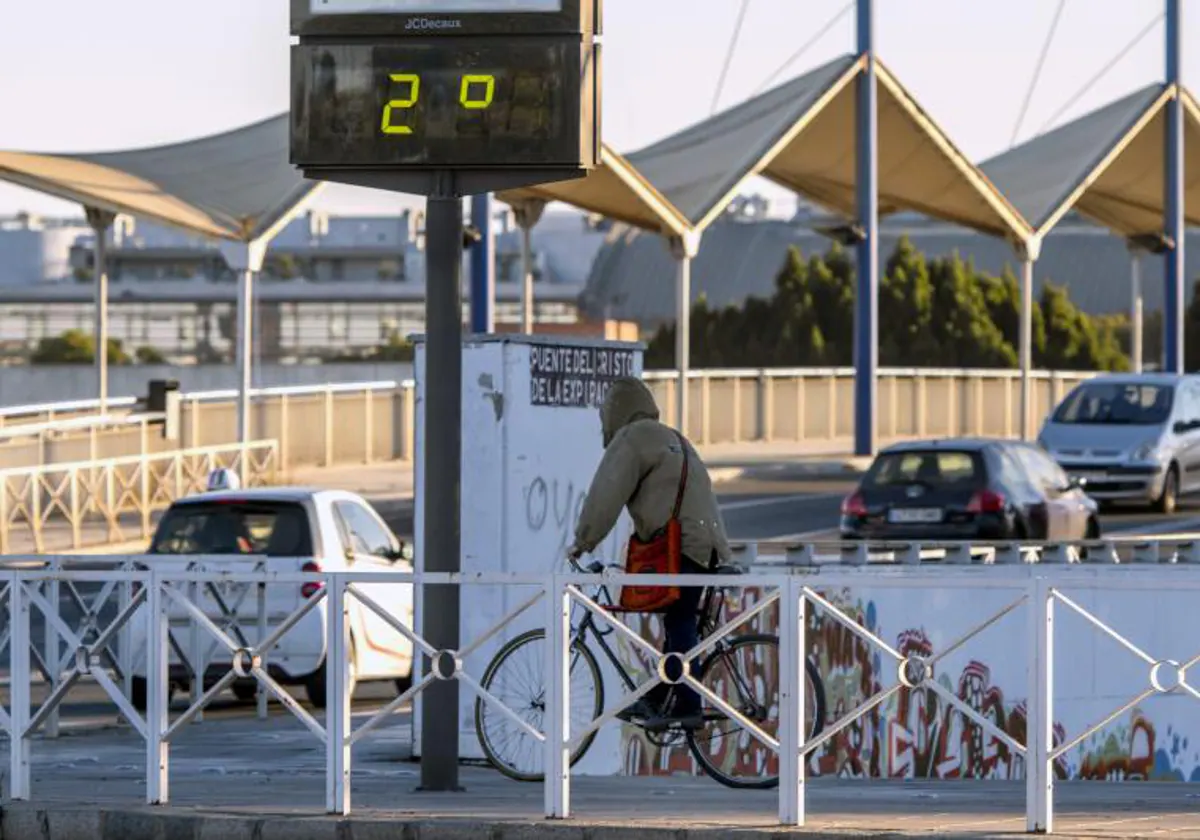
pixel 640 471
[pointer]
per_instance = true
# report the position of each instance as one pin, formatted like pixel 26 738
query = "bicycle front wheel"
pixel 744 673
pixel 516 677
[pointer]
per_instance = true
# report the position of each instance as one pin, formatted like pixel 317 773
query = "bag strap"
pixel 683 476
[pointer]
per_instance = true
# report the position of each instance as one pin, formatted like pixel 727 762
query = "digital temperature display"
pixel 439 102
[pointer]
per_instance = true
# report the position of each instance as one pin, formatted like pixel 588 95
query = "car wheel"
pixel 1091 534
pixel 245 690
pixel 1168 500
pixel 403 684
pixel 139 692
pixel 315 685
pixel 1019 533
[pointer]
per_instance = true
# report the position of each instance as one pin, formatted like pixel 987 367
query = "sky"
pixel 79 75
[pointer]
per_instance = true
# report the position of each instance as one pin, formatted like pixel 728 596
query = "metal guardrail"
pixel 48 411
pixel 74 496
pixel 1038 582
pixel 10 414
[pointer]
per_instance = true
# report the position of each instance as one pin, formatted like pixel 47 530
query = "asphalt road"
pixel 799 508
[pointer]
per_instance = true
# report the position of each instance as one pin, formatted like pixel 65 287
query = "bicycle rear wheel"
pixel 744 673
pixel 516 677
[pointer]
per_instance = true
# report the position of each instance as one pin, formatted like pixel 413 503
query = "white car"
pixel 297 529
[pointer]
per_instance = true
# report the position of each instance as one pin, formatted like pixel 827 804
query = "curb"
pixel 155 824
pixel 724 475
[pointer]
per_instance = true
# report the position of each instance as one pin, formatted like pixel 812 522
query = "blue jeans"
pixel 681 623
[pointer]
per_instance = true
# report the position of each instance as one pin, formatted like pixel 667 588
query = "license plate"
pixel 1088 476
pixel 912 515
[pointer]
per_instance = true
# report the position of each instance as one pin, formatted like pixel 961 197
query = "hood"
pixel 628 399
pixel 1097 439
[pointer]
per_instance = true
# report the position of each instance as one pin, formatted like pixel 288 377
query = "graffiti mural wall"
pixel 916 734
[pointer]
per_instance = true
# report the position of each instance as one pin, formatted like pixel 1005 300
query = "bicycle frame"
pixel 707 623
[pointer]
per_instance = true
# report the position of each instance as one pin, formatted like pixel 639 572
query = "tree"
pixel 149 356
pixel 76 347
pixel 932 313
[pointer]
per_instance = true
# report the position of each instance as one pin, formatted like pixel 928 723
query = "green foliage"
pixel 939 312
pixel 395 349
pixel 149 356
pixel 76 347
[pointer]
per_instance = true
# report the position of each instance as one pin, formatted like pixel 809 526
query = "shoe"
pixel 639 712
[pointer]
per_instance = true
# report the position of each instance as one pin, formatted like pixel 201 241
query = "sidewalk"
pixel 243 779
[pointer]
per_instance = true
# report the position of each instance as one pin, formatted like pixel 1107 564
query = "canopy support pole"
pixel 246 260
pixel 527 213
pixel 100 221
pixel 684 249
pixel 866 304
pixel 1135 308
pixel 1173 199
pixel 1028 254
pixel 483 267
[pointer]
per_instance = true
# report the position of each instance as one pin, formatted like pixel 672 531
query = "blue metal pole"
pixel 483 267
pixel 866 304
pixel 1173 201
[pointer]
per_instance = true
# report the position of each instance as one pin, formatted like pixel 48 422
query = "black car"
pixel 968 489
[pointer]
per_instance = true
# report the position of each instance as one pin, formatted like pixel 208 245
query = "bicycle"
pixel 718 669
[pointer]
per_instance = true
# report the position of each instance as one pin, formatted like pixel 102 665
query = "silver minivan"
pixel 1130 437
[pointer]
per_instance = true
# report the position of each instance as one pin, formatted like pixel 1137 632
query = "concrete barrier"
pixel 368 421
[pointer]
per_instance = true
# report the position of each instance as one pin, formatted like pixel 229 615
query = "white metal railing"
pixel 76 495
pixel 1038 578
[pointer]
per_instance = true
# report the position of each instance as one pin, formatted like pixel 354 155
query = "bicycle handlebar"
pixel 592 568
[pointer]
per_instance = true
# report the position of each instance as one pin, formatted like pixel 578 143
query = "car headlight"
pixel 1145 452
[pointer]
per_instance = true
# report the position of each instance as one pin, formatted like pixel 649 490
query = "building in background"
pixel 332 286
pixel 339 287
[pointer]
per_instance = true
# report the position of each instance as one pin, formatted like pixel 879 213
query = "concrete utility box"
pixel 531 443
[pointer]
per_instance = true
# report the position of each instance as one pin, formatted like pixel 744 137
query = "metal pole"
pixel 1173 199
pixel 1135 311
pixel 683 336
pixel 527 213
pixel 443 476
pixel 526 280
pixel 246 260
pixel 101 221
pixel 684 249
pixel 866 308
pixel 483 267
pixel 245 350
pixel 1026 340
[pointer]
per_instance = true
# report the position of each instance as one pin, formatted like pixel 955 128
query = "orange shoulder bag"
pixel 660 555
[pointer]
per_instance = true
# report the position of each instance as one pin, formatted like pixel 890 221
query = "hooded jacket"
pixel 640 470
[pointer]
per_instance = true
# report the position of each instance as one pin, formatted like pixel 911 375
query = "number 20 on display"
pixel 474 101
